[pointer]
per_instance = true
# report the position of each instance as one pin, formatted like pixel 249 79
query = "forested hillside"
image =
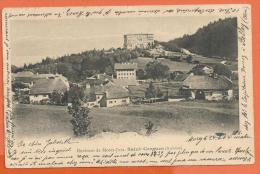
pixel 77 67
pixel 217 39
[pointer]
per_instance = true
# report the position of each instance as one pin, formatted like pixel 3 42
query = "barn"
pixel 43 88
pixel 206 87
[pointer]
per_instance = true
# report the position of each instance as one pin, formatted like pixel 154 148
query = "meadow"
pixel 176 65
pixel 186 117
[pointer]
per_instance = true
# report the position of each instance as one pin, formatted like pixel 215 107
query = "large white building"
pixel 144 41
pixel 126 71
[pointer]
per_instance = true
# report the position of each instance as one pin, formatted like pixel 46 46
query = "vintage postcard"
pixel 128 86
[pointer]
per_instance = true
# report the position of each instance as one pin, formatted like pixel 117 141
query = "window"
pixel 124 101
pixel 110 102
pixel 115 101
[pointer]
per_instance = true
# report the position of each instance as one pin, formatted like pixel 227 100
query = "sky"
pixel 33 40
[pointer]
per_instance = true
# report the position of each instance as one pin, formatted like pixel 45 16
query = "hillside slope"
pixel 217 39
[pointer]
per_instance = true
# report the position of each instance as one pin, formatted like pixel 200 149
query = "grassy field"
pixel 175 65
pixel 206 60
pixel 187 117
pixel 171 88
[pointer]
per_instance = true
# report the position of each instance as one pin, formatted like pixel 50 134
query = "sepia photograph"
pixel 176 75
pixel 79 84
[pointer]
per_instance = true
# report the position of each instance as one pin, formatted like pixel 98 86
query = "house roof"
pixel 103 77
pixel 92 82
pixel 181 77
pixel 47 86
pixel 44 75
pixel 23 74
pixel 125 82
pixel 202 66
pixel 124 66
pixel 112 91
pixel 98 79
pixel 137 91
pixel 205 82
pixel 138 34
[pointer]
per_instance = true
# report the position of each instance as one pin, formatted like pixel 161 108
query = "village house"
pixel 206 87
pixel 202 69
pixel 185 51
pixel 109 95
pixel 157 51
pixel 96 80
pixel 43 88
pixel 28 78
pixel 125 74
pixel 125 70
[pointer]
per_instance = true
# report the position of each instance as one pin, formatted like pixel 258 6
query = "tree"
pixel 221 69
pixel 150 91
pixel 76 67
pixel 58 98
pixel 18 85
pixel 80 118
pixel 140 74
pixel 14 69
pixel 109 70
pixel 156 70
pixel 159 93
pixel 80 114
pixel 216 39
pixel 76 94
pixel 189 59
pixel 25 66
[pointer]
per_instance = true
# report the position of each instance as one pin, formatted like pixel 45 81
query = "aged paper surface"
pixel 128 86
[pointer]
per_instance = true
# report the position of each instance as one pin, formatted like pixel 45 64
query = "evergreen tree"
pixel 150 91
pixel 80 114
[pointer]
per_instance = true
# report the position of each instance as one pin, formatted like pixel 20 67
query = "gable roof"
pixel 202 66
pixel 207 82
pixel 29 77
pixel 125 82
pixel 23 74
pixel 137 91
pixel 124 66
pixel 112 91
pixel 47 86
